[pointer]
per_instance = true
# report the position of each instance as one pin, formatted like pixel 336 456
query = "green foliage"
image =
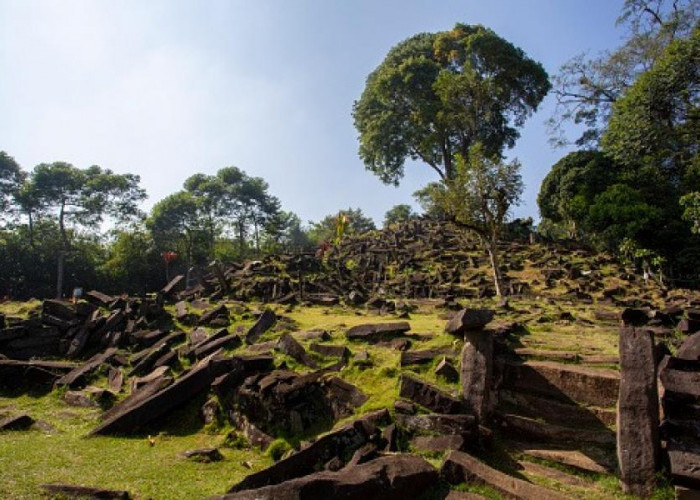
pixel 327 229
pixel 277 449
pixel 11 180
pixel 233 201
pixel 426 196
pixel 691 210
pixel 621 212
pixel 176 225
pixel 29 270
pixel 236 441
pixel 479 198
pixel 133 264
pixel 482 192
pixel 437 94
pixel 399 213
pixel 284 232
pixel 82 198
pixel 570 188
pixel 586 88
pixel 654 128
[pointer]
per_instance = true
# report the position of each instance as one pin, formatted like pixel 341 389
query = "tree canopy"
pixel 570 188
pixel 655 128
pixel 326 230
pixel 399 213
pixel 11 179
pixel 437 94
pixel 587 87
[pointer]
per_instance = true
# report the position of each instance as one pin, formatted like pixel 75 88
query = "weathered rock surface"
pixel 263 324
pixel 566 382
pixel 127 418
pixel 377 331
pixel 429 396
pixel 337 351
pixel 421 357
pixel 522 427
pixel 77 377
pixel 684 459
pixel 284 402
pixel 637 413
pixel 340 442
pixel 690 349
pixel 460 467
pixel 16 422
pixel 395 477
pixel 294 349
pixel 439 424
pixel 446 370
pixel 74 491
pixel 439 443
pixel 204 455
pixel 469 319
pixel 556 412
pixel 476 370
pixel 16 373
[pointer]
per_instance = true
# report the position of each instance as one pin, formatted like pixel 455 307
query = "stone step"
pixel 523 427
pixel 587 459
pixel 600 359
pixel 528 352
pixel 564 382
pixel 684 459
pixel 552 474
pixel 460 467
pixel 429 396
pixel 555 412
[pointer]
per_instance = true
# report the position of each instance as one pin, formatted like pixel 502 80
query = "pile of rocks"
pixel 680 429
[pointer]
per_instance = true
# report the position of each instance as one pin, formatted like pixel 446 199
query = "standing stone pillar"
pixel 475 372
pixel 477 358
pixel 637 413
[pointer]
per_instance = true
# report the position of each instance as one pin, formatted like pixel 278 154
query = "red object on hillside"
pixel 322 249
pixel 169 256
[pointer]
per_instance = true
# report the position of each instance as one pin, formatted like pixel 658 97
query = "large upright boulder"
pixel 477 358
pixel 475 372
pixel 637 413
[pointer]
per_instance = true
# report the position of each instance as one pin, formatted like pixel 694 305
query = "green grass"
pixel 28 459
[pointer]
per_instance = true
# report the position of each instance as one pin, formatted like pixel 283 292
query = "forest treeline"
pixel 453 100
pixel 88 225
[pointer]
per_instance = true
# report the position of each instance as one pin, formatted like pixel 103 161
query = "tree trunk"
pixel 241 236
pixel 257 238
pixel 61 253
pixel 31 228
pixel 495 266
pixel 190 243
pixel 447 160
pixel 59 274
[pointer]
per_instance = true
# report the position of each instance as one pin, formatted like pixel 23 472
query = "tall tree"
pixel 586 88
pixel 655 128
pixel 232 198
pixel 437 94
pixel 176 224
pixel 479 198
pixel 77 198
pixel 11 179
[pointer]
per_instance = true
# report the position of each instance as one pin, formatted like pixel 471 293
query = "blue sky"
pixel 169 88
